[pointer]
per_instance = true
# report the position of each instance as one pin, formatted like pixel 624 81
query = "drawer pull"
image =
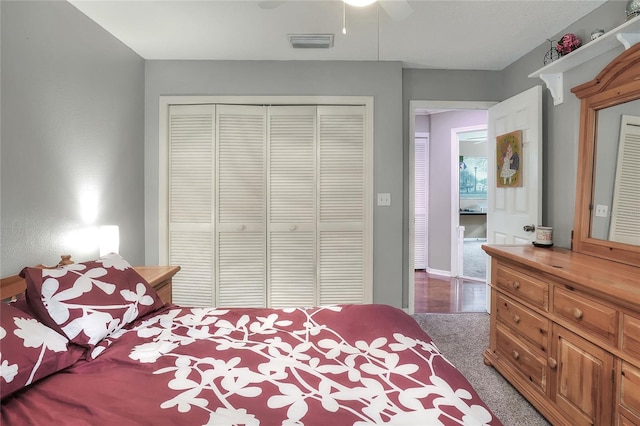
pixel 552 363
pixel 516 319
pixel 577 313
pixel 516 285
pixel 241 228
pixel 515 355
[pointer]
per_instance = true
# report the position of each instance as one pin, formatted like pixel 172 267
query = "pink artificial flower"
pixel 568 43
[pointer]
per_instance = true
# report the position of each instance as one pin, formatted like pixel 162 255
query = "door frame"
pixel 164 103
pixel 415 105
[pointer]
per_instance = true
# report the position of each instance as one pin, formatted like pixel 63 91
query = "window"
pixel 473 178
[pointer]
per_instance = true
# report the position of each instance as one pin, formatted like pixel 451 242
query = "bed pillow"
pixel 88 301
pixel 29 350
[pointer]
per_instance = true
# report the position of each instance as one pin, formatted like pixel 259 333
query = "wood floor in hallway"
pixel 437 294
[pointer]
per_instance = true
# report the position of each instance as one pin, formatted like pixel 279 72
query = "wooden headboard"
pixel 14 285
pixel 11 286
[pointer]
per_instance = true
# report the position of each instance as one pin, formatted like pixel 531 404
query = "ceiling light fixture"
pixel 356 3
pixel 359 3
pixel 344 17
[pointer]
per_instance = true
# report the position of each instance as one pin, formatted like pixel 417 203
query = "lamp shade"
pixel 109 239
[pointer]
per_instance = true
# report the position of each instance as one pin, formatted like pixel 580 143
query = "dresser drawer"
pixel 627 421
pixel 523 286
pixel 631 335
pixel 630 388
pixel 524 358
pixel 525 322
pixel 594 317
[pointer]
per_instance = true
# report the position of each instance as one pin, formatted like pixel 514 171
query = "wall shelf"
pixel 552 74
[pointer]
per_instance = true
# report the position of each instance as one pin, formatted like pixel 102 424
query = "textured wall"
pixel 75 113
pixel 72 136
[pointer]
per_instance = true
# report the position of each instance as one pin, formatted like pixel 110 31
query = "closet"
pixel 269 206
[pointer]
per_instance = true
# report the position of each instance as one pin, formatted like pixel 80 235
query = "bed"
pixel 91 343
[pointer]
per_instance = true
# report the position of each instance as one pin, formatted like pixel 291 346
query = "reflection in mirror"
pixel 616 188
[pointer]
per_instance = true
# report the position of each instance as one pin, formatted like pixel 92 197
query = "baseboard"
pixel 439 272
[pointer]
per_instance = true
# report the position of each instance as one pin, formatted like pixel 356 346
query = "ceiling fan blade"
pixel 270 4
pixel 396 9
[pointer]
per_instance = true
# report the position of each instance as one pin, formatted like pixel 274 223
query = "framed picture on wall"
pixel 509 159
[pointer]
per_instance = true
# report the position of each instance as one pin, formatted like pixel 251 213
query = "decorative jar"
pixel 633 9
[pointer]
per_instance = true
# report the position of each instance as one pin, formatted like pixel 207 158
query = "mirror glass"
pixel 615 214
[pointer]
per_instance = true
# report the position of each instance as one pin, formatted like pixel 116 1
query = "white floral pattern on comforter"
pixel 351 364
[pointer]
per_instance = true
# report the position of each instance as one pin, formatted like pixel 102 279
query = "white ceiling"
pixel 452 34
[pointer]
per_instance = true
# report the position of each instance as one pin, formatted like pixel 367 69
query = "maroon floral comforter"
pixel 338 365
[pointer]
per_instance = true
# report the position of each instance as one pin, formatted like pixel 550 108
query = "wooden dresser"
pixel 565 332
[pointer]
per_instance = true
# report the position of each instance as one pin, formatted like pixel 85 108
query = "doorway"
pixel 472 205
pixel 443 199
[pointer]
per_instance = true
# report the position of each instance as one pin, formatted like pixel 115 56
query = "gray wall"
pixel 440 170
pixel 80 110
pixel 72 135
pixel 561 122
pixel 382 80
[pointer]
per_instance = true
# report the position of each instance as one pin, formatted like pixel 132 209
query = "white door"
pixel 511 209
pixel 343 197
pixel 291 206
pixel 191 152
pixel 240 197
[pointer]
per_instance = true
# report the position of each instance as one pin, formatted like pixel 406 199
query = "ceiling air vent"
pixel 311 41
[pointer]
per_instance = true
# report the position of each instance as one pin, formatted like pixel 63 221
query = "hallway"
pixel 438 294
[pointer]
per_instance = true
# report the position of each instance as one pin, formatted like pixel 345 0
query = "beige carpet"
pixel 474 259
pixel 462 338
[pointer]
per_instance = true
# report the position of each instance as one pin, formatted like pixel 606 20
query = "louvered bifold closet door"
pixel 291 206
pixel 420 204
pixel 341 199
pixel 241 214
pixel 625 219
pixel 191 148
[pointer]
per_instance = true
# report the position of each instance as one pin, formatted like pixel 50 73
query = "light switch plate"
pixel 384 199
pixel 602 210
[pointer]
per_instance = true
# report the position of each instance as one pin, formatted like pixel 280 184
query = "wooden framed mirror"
pixel 608 184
